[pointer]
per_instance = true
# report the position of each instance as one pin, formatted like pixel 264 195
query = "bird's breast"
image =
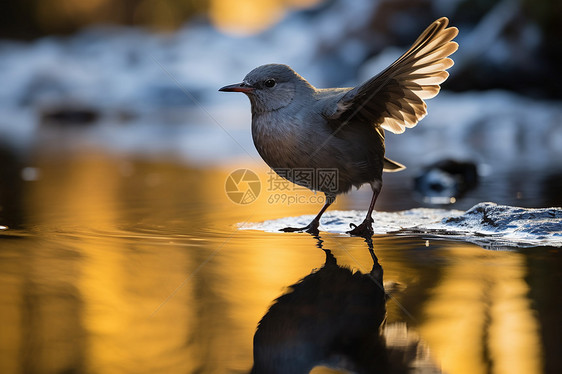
pixel 278 141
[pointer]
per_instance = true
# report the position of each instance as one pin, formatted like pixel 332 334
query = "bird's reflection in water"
pixel 335 317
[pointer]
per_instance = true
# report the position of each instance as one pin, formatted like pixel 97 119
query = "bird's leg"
pixel 365 229
pixel 312 227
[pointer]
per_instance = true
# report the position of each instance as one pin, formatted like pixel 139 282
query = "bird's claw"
pixel 365 229
pixel 311 229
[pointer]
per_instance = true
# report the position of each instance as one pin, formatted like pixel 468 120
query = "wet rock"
pixel 446 180
pixel 67 115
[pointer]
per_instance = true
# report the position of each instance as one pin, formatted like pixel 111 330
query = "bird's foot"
pixel 311 228
pixel 365 229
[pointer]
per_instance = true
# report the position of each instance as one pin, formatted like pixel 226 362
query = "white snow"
pixel 486 224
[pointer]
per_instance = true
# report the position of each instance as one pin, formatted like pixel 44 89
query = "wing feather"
pixel 394 99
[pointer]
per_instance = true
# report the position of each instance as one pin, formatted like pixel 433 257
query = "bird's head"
pixel 271 87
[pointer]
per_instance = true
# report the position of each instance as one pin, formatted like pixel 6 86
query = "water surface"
pixel 112 263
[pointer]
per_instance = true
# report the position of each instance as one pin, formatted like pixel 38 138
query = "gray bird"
pixel 339 132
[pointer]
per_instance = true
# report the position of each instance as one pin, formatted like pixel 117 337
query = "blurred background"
pixel 119 250
pixel 142 76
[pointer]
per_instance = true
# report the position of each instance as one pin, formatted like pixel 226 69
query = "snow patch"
pixel 486 224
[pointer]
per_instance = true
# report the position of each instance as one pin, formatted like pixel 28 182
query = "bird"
pixel 296 126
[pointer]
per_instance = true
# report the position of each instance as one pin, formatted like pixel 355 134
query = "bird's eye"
pixel 269 83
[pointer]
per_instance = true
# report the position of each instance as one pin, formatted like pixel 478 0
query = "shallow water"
pixel 118 264
pixel 120 250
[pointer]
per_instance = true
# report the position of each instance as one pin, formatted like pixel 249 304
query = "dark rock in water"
pixel 69 116
pixel 446 179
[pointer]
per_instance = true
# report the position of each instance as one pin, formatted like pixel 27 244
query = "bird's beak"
pixel 238 87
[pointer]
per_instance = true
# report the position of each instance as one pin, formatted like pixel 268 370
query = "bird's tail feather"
pixel 390 166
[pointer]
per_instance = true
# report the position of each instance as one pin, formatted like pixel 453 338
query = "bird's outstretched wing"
pixel 394 98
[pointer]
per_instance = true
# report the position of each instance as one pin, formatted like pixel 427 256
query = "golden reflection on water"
pixel 483 297
pixel 136 266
